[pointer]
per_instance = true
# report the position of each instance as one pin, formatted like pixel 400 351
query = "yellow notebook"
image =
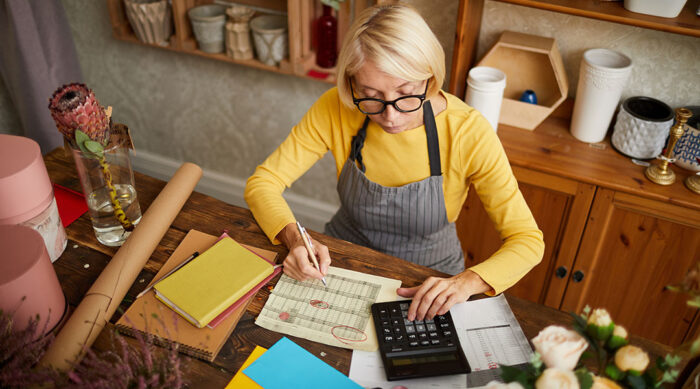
pixel 240 380
pixel 210 283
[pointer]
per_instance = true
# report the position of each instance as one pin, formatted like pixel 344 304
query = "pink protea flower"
pixel 75 107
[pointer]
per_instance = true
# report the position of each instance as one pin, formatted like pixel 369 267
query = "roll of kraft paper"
pixel 103 297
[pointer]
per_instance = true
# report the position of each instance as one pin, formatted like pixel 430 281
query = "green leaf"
pixel 511 374
pixel 672 360
pixel 636 382
pixel 80 139
pixel 614 373
pixel 585 378
pixel 94 147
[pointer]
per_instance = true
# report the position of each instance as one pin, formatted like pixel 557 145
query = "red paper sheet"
pixel 71 204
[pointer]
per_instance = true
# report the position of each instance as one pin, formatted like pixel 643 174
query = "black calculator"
pixel 419 348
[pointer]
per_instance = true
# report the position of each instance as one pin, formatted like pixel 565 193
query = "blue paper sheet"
pixel 287 365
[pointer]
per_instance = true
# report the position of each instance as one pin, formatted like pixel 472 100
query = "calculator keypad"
pixel 398 333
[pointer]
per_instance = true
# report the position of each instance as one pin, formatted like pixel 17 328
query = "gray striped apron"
pixel 408 221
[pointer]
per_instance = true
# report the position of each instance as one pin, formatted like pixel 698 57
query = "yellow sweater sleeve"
pixel 306 144
pixel 490 173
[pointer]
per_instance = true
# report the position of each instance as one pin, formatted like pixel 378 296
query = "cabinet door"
pixel 560 207
pixel 632 249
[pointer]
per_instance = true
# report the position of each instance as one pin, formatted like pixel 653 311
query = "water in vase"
pixel 108 229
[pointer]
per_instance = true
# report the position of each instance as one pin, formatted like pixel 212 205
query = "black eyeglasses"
pixel 371 106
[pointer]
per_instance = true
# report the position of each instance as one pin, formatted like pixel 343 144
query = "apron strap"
pixel 358 141
pixel 432 137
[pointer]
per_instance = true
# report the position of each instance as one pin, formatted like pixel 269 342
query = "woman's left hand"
pixel 437 295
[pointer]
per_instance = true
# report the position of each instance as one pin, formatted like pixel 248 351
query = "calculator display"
pixel 418 348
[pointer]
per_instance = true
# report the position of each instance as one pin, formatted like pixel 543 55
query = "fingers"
pixel 434 297
pixel 298 266
pixel 407 292
pixel 324 257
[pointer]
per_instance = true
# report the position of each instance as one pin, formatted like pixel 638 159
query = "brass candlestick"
pixel 661 174
pixel 693 183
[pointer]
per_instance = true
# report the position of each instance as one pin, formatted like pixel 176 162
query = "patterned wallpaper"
pixel 228 118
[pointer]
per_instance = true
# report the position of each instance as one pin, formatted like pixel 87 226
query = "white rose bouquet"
pixel 559 352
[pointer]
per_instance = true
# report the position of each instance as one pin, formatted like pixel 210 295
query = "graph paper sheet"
pixel 337 315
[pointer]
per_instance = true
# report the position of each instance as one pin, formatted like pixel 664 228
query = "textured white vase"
pixel 641 127
pixel 151 20
pixel 485 86
pixel 208 26
pixel 602 78
pixel 270 37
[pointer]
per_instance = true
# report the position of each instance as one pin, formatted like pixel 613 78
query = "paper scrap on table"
pixel 337 315
pixel 489 334
pixel 242 381
pixel 287 364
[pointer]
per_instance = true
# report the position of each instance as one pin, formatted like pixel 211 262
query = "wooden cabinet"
pixel 613 238
pixel 301 60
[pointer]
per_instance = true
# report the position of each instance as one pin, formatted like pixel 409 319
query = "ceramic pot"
pixel 151 20
pixel 485 86
pixel 603 76
pixel 238 44
pixel 687 149
pixel 208 26
pixel 270 37
pixel 664 9
pixel 641 127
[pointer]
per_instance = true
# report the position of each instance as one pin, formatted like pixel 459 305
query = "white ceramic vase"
pixel 270 37
pixel 661 8
pixel 485 86
pixel 151 20
pixel 602 78
pixel 208 26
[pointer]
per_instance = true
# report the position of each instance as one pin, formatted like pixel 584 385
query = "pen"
pixel 309 247
pixel 183 263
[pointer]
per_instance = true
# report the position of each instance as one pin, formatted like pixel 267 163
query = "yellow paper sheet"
pixel 240 380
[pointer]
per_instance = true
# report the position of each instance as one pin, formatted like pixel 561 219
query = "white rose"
pixel 620 331
pixel 600 317
pixel 604 383
pixel 618 338
pixel 560 348
pixel 501 385
pixel 631 358
pixel 553 378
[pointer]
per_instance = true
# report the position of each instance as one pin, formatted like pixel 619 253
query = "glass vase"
pixel 110 193
pixel 327 36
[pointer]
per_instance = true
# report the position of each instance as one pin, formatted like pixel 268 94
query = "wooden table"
pixel 212 216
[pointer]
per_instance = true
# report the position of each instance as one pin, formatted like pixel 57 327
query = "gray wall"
pixel 227 118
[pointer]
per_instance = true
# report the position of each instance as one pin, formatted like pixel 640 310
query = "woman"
pixel 397 195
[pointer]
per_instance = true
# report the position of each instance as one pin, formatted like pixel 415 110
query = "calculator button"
pixel 395 312
pixel 430 327
pixel 397 330
pixel 387 330
pixel 399 338
pixel 444 325
pixel 403 306
pixel 447 333
pixel 424 343
pixel 435 341
pixel 410 329
pixel 433 334
pixel 385 323
pixel 420 327
pixel 395 322
pixel 383 314
pixel 396 349
pixel 404 314
pixel 441 317
pixel 450 343
pixel 407 322
pixel 412 337
pixel 413 344
pixel 422 336
pixel 429 321
pixel 388 339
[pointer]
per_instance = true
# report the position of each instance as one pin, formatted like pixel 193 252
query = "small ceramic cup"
pixel 270 37
pixel 208 26
pixel 485 86
pixel 641 127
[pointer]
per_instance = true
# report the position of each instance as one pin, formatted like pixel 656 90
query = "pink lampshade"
pixel 28 283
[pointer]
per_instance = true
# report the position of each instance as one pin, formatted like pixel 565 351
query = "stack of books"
pixel 210 291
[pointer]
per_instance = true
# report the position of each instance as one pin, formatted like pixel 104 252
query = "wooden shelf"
pixel 552 149
pixel 687 23
pixel 471 11
pixel 300 13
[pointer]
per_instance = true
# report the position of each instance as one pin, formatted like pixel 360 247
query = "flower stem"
pixel 118 211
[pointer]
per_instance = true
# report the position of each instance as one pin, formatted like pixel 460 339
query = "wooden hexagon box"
pixel 529 62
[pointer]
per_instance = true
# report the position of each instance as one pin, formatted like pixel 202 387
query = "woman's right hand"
pixel 298 263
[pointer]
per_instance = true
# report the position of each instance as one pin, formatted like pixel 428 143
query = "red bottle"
pixel 327 35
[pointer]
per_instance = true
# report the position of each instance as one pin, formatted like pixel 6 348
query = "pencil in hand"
pixel 310 248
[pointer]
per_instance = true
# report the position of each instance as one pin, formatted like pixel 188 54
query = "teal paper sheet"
pixel 287 365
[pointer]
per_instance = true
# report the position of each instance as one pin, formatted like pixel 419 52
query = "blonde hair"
pixel 398 41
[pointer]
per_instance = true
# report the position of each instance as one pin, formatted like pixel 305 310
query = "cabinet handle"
pixel 561 272
pixel 578 276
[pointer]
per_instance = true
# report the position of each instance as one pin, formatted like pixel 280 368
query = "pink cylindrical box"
pixel 26 194
pixel 28 282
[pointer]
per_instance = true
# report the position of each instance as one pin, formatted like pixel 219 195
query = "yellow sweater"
pixel 470 152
